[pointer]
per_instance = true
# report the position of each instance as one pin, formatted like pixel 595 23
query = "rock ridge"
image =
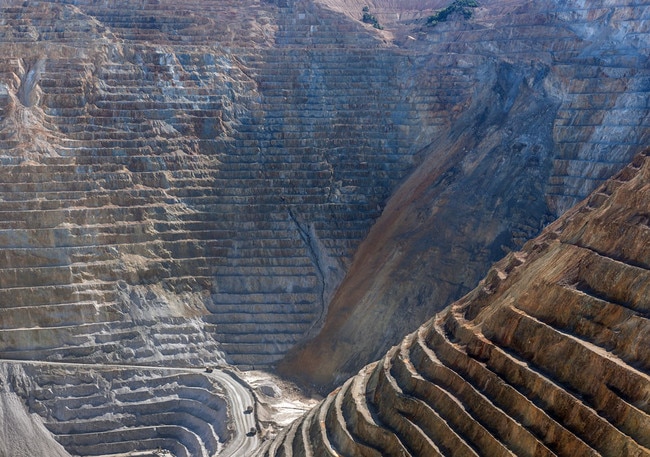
pixel 547 356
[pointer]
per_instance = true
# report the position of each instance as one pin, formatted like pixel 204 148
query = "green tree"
pixel 370 18
pixel 458 6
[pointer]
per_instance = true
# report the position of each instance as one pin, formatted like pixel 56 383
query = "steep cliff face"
pixel 544 123
pixel 549 355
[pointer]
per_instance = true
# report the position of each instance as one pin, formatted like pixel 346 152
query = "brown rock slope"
pixel 549 355
pixel 558 105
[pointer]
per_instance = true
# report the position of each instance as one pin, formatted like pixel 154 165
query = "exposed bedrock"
pixel 554 104
pixel 547 356
pixel 188 185
pixel 197 183
pixel 224 165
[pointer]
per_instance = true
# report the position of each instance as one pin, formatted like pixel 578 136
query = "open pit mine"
pixel 324 228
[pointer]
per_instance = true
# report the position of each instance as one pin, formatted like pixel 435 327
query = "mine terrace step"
pixel 597 321
pixel 383 391
pixel 511 433
pixel 630 294
pixel 59 315
pixel 317 432
pixel 419 390
pixel 337 428
pixel 529 378
pixel 93 291
pixel 362 424
pixel 86 443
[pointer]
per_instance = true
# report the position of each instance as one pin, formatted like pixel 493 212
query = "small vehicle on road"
pixel 251 432
pixel 248 410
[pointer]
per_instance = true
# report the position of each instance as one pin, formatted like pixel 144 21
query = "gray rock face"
pixel 23 433
pixel 112 410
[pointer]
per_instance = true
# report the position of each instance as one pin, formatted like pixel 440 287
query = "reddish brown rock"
pixel 547 356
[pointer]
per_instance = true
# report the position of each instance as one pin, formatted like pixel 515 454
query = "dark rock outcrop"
pixel 549 355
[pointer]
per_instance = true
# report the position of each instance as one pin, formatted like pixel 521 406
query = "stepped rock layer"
pixel 23 433
pixel 113 410
pixel 549 355
pixel 558 103
pixel 188 184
